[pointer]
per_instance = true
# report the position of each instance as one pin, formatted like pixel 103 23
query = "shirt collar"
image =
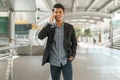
pixel 57 26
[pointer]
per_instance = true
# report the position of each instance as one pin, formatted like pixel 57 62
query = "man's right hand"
pixel 52 17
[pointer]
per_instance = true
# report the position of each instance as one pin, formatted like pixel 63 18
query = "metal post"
pixel 30 47
pixel 12 40
pixel 111 34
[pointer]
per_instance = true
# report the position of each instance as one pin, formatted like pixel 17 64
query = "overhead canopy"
pixel 23 5
pixel 73 8
pixel 76 9
pixel 3 6
pixel 26 7
pixel 17 5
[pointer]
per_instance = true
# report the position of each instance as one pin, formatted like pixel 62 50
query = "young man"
pixel 61 44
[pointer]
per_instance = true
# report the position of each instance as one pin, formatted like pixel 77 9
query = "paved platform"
pixel 96 63
pixel 3 69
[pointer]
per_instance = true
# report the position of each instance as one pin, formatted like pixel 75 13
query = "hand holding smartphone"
pixel 52 18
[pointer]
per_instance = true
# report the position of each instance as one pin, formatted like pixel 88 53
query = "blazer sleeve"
pixel 74 42
pixel 44 32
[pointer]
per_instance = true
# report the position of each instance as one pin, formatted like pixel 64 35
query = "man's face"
pixel 59 14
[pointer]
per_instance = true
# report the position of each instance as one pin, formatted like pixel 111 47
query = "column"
pixel 11 39
pixel 12 27
pixel 111 34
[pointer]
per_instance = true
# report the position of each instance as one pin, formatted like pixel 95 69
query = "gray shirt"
pixel 58 53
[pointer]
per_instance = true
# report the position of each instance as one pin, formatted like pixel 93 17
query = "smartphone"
pixel 52 18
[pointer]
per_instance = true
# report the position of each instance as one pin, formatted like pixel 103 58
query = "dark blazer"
pixel 70 42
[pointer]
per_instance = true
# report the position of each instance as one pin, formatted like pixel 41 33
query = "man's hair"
pixel 58 5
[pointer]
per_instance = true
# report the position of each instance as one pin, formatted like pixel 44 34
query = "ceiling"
pixel 85 11
pixel 91 10
pixel 17 5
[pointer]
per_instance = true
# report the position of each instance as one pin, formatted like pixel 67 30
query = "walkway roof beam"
pixel 3 3
pixel 91 5
pixel 51 3
pixel 106 4
pixel 115 10
pixel 98 14
pixel 74 5
pixel 77 17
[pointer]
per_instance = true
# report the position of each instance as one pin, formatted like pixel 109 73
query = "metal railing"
pixel 116 37
pixel 7 73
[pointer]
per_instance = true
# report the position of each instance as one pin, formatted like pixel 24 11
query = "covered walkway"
pixel 97 26
pixel 97 63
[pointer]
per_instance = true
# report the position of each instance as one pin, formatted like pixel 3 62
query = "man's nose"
pixel 58 14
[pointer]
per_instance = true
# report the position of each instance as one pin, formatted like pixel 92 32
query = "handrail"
pixel 9 47
pixel 116 36
pixel 4 55
pixel 115 33
pixel 8 57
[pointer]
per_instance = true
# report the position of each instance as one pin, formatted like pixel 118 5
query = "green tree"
pixel 78 32
pixel 87 32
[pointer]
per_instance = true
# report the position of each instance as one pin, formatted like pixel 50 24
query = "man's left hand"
pixel 70 58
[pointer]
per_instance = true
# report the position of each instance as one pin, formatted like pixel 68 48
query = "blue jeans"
pixel 66 71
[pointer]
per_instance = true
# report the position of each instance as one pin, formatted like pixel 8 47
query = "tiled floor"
pixel 97 63
pixel 3 69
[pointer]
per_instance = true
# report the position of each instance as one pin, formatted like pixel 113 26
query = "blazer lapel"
pixel 65 31
pixel 53 32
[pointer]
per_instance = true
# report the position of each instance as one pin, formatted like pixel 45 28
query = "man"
pixel 61 44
